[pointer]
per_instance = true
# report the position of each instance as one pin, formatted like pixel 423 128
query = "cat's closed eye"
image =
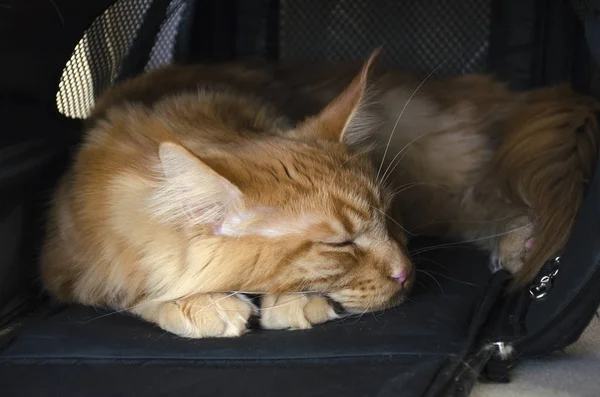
pixel 341 244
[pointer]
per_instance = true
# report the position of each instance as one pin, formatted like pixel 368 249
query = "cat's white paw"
pixel 233 313
pixel 201 316
pixel 295 311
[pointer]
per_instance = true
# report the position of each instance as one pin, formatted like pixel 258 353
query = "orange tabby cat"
pixel 466 157
pixel 171 208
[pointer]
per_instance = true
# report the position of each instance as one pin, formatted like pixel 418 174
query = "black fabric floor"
pixel 85 352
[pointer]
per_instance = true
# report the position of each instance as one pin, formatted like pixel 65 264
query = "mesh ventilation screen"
pixel 164 47
pixel 96 61
pixel 417 35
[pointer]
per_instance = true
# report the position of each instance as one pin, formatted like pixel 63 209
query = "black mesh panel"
pixel 164 48
pixel 417 35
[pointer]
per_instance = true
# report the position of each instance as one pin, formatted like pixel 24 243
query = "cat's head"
pixel 301 211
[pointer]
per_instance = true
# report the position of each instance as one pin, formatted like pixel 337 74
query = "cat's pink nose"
pixel 401 276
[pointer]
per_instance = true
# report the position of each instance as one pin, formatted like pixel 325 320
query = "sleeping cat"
pixel 174 207
pixel 465 157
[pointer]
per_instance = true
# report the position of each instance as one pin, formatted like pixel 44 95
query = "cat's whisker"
pixel 112 312
pixel 402 112
pixel 432 261
pixel 268 293
pixel 447 277
pixel 420 283
pixel 433 278
pixel 103 316
pixel 361 315
pixel 407 186
pixel 427 249
pixel 362 152
pixel 393 220
pixel 461 221
pixel 260 309
pixel 472 221
pixel 373 314
pixel 380 313
pixel 395 161
pixel 215 302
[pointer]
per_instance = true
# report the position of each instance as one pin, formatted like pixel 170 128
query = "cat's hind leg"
pixel 295 311
pixel 201 315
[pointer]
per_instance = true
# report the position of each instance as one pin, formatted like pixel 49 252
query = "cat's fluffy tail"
pixel 546 159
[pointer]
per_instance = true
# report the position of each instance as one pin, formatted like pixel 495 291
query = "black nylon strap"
pixel 140 49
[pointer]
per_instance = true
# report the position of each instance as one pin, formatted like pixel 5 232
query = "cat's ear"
pixel 191 191
pixel 346 118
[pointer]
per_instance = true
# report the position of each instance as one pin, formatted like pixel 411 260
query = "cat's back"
pixel 260 82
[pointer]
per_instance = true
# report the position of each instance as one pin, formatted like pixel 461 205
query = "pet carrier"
pixel 59 55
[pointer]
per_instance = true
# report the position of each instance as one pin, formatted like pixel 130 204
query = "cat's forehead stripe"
pixel 343 205
pixel 354 216
pixel 346 222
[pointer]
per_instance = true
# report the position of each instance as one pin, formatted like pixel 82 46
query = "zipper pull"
pixel 499 364
pixel 541 289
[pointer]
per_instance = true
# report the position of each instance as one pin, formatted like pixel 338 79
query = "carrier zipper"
pixel 499 362
pixel 594 276
pixel 542 288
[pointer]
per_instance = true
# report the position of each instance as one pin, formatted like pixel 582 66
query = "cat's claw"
pixel 295 311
